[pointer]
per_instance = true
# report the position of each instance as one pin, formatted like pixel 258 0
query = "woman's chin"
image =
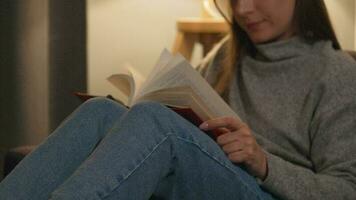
pixel 260 40
pixel 263 38
pixel 260 37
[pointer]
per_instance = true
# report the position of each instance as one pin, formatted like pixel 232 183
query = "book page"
pixel 163 60
pixel 169 74
pixel 130 81
pixel 139 81
pixel 166 62
pixel 207 94
pixel 127 80
pixel 184 75
pixel 122 81
pixel 151 84
pixel 180 97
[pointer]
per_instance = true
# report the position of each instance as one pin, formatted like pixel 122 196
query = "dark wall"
pixel 67 56
pixel 42 61
pixel 24 73
pixel 7 74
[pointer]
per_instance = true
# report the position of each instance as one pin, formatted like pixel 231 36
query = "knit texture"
pixel 299 99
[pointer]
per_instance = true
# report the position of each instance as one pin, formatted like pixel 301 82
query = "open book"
pixel 175 83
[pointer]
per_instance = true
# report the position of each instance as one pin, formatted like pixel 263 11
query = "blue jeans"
pixel 105 151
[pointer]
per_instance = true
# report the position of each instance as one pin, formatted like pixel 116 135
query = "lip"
pixel 253 26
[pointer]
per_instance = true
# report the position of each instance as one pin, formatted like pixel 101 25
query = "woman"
pixel 284 76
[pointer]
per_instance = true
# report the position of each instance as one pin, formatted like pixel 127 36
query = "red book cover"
pixel 83 96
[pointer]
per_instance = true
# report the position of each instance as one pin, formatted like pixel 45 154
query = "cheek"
pixel 280 24
pixel 278 20
pixel 277 25
pixel 282 19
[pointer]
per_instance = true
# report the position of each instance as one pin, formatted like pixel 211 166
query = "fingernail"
pixel 203 126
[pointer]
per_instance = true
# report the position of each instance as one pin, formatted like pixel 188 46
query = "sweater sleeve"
pixel 332 146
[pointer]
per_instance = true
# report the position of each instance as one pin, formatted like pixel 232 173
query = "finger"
pixel 220 131
pixel 227 138
pixel 237 157
pixel 233 147
pixel 230 123
pixel 224 130
pixel 233 136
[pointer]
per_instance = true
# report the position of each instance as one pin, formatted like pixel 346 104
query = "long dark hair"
pixel 312 23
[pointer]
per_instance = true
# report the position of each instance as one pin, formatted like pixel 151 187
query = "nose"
pixel 244 7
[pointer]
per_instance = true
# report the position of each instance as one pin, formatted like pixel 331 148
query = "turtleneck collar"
pixel 282 50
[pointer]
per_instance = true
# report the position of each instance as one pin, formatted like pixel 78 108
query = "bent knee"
pixel 150 108
pixel 103 104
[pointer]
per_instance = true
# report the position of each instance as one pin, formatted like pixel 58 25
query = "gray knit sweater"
pixel 299 99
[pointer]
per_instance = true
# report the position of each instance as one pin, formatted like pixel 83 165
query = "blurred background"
pixel 51 48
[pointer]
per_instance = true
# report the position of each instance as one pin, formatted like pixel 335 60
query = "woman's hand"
pixel 239 144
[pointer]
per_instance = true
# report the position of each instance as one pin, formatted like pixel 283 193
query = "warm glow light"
pixel 209 9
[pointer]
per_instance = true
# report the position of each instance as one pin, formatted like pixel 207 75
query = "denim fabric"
pixel 104 151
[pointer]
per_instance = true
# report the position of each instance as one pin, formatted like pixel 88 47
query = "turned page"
pixel 164 65
pixel 181 74
pixel 128 81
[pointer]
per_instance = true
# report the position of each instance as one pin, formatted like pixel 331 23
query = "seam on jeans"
pixel 188 141
pixel 153 150
pixel 139 165
pixel 219 162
